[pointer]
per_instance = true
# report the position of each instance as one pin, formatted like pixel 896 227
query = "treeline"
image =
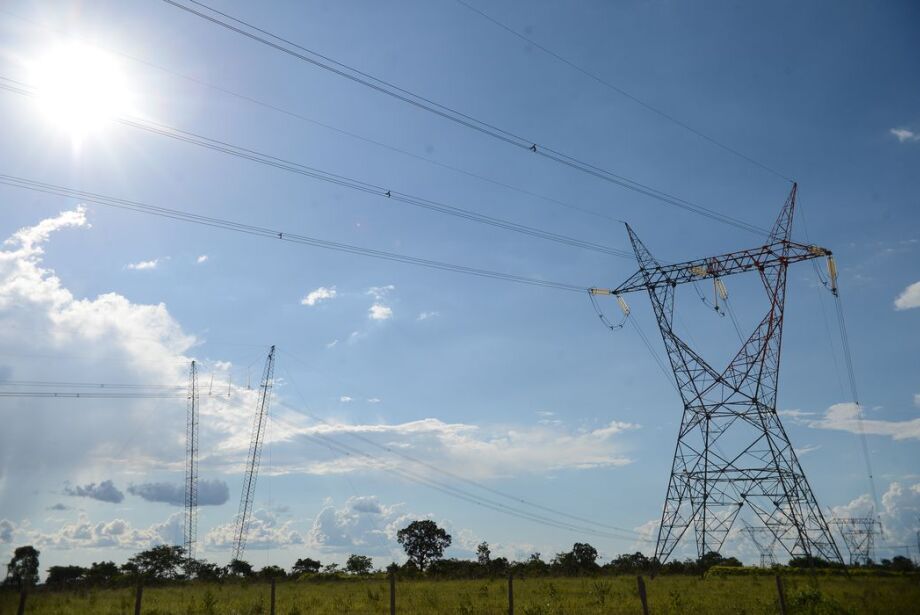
pixel 423 542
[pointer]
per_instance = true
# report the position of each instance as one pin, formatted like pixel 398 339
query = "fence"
pixel 640 582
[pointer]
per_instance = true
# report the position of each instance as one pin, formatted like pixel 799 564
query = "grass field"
pixel 539 596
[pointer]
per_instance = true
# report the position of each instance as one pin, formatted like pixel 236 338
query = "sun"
pixel 80 88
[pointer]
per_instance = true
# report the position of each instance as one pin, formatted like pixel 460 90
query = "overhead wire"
pixel 304 118
pixel 267 233
pixel 619 90
pixel 319 60
pixel 448 473
pixel 18 87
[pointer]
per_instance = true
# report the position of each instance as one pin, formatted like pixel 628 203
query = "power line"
pixel 258 231
pixel 301 117
pixel 290 48
pixel 622 92
pixel 91 395
pixel 469 481
pixel 339 180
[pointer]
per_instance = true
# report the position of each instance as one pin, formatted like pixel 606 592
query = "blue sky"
pixel 516 387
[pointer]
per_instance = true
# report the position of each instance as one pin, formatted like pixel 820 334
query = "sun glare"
pixel 80 88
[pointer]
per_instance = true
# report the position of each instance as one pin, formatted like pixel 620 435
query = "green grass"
pixel 538 596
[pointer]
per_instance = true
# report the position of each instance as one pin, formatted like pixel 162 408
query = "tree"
pixel 61 577
pixel 22 571
pixel 161 563
pixel 582 558
pixel 239 568
pixel 206 571
pixel 359 564
pixel 423 542
pixel 483 553
pixel 102 573
pixel 271 572
pixel 305 566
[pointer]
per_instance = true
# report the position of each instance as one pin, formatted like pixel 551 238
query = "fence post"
pixel 22 602
pixel 138 596
pixel 272 611
pixel 392 593
pixel 782 595
pixel 510 594
pixel 642 595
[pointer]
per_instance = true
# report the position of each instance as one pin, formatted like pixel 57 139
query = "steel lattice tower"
pixel 732 449
pixel 765 541
pixel 255 456
pixel 191 463
pixel 859 536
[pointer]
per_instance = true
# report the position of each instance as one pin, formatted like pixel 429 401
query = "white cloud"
pixel 845 417
pixel 808 448
pixel 266 531
pixel 373 400
pixel 6 531
pixel 474 451
pixel 202 259
pixel 345 399
pixel 900 507
pixel 379 292
pixel 904 135
pixel 378 311
pixel 917 399
pixel 117 533
pixel 362 525
pixel 427 315
pixel 143 265
pixel 320 294
pixel 909 298
pixel 332 344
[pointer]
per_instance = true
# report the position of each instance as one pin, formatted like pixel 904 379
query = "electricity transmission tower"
pixel 859 536
pixel 191 463
pixel 732 449
pixel 765 541
pixel 255 456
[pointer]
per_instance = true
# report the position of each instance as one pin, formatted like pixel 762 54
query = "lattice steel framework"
pixel 859 536
pixel 765 541
pixel 191 464
pixel 255 455
pixel 732 449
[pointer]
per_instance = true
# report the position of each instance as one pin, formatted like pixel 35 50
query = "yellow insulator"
pixel 817 250
pixel 720 288
pixel 600 291
pixel 832 272
pixel 700 271
pixel 622 302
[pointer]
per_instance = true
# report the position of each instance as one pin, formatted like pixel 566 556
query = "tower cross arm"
pixel 778 253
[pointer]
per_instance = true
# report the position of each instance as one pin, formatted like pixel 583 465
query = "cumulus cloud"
pixel 903 135
pixel 143 265
pixel 345 399
pixel 266 531
pixel 845 417
pixel 117 533
pixel 378 311
pixel 900 507
pixel 320 294
pixel 106 491
pixel 202 259
pixel 363 524
pixel 909 297
pixel 210 492
pixel 426 315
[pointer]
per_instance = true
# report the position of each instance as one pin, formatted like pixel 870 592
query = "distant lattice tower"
pixel 765 542
pixel 255 456
pixel 191 464
pixel 859 536
pixel 732 451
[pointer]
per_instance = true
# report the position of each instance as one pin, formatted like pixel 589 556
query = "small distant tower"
pixel 191 463
pixel 765 541
pixel 859 536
